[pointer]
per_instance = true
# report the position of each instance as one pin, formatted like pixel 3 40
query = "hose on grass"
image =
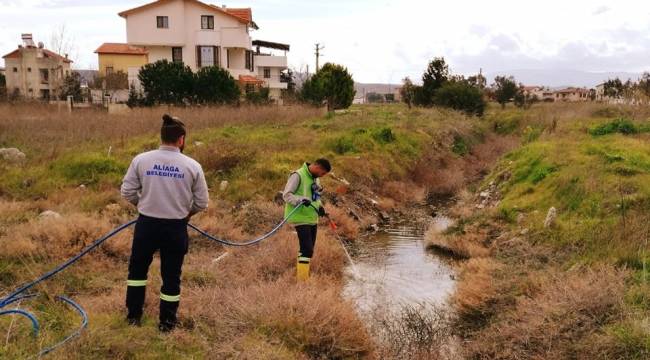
pixel 18 294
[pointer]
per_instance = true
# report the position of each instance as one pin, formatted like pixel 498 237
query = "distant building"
pixel 115 57
pixel 2 70
pixel 572 94
pixel 540 92
pixel 198 35
pixel 35 72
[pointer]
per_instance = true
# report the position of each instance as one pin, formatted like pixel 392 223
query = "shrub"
pixel 259 97
pixel 460 146
pixel 214 85
pixel 621 125
pixel 332 83
pixel 342 145
pixel 460 95
pixel 384 135
pixel 167 82
pixel 71 87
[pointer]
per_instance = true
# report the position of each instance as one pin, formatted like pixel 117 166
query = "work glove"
pixel 321 212
pixel 305 202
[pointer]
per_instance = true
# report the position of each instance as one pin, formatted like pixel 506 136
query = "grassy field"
pixel 576 287
pixel 247 305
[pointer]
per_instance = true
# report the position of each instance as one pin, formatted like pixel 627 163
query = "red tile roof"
pixel 249 79
pixel 125 13
pixel 51 54
pixel 243 13
pixel 117 48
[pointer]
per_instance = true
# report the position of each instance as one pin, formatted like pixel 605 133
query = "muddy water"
pixel 394 269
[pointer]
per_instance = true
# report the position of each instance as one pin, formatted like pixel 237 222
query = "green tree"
pixel 505 89
pixel 259 96
pixel 333 84
pixel 374 97
pixel 71 87
pixel 166 82
pixel 434 77
pixel 614 88
pixel 462 96
pixel 214 85
pixel 407 91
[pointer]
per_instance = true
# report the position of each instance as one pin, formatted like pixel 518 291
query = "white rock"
pixel 484 194
pixel 49 214
pixel 550 217
pixel 524 231
pixel 520 218
pixel 223 185
pixel 12 155
pixel 198 143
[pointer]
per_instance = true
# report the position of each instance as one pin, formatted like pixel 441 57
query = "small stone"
pixel 550 217
pixel 374 227
pixel 223 185
pixel 82 187
pixel 198 143
pixel 49 214
pixel 484 194
pixel 12 155
pixel 524 231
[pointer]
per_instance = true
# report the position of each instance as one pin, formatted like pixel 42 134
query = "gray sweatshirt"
pixel 165 184
pixel 290 188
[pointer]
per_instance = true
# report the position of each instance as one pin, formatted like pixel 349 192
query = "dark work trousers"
pixel 170 237
pixel 307 239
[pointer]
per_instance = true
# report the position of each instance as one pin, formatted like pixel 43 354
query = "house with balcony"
pixel 199 35
pixel 34 72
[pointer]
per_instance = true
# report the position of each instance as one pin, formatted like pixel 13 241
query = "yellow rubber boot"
pixel 303 268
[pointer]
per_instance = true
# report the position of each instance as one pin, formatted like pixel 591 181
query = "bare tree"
pixel 63 42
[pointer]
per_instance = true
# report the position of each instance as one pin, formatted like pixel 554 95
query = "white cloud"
pixel 381 41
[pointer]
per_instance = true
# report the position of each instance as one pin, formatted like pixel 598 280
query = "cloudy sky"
pixel 384 41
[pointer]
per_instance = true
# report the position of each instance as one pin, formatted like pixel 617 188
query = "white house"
pixel 200 35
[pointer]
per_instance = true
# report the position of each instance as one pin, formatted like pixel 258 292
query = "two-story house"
pixel 34 72
pixel 198 35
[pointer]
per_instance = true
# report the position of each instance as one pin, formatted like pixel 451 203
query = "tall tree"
pixel 71 87
pixel 333 84
pixel 461 95
pixel 407 91
pixel 434 77
pixel 505 89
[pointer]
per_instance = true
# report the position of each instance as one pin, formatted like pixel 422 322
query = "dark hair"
pixel 172 129
pixel 325 164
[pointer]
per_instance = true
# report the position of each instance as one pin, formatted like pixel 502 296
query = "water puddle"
pixel 394 270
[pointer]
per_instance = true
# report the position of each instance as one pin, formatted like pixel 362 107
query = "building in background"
pixel 198 35
pixel 572 94
pixel 114 57
pixel 34 72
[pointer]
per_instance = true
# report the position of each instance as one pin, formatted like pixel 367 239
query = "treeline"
pixel 631 91
pixel 440 87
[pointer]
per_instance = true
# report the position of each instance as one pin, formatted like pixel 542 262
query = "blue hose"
pixel 16 296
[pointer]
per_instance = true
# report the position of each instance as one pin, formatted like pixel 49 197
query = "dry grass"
pixel 475 289
pixel 465 246
pixel 53 131
pixel 555 320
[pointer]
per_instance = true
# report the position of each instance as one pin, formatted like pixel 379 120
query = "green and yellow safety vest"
pixel 306 215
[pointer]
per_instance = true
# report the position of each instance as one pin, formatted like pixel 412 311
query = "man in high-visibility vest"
pixel 168 188
pixel 303 188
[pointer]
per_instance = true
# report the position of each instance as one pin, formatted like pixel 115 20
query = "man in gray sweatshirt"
pixel 168 188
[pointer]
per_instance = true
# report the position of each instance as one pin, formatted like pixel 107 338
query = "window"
pixel 207 56
pixel 249 60
pixel 45 75
pixel 15 69
pixel 109 70
pixel 267 73
pixel 228 58
pixel 207 22
pixel 177 55
pixel 45 94
pixel 162 22
pixel 29 69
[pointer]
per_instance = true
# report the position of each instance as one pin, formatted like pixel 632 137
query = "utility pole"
pixel 318 54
